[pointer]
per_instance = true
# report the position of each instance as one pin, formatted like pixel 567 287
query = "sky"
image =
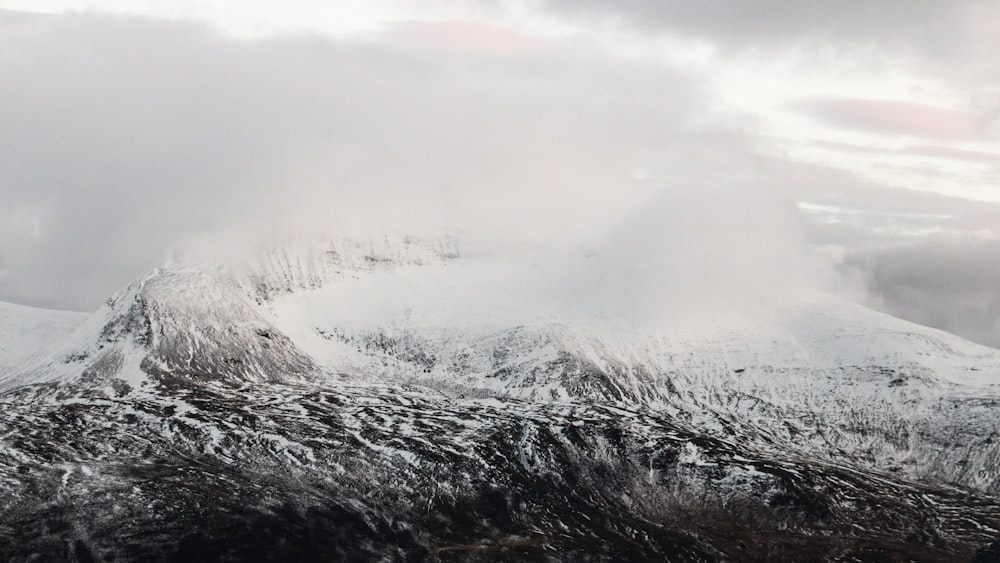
pixel 709 150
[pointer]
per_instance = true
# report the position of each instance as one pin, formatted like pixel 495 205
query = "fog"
pixel 948 282
pixel 115 155
pixel 124 139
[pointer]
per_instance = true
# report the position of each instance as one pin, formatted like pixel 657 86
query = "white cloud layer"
pixel 692 148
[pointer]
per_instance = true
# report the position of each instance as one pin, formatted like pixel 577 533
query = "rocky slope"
pixel 356 400
pixel 817 376
pixel 204 472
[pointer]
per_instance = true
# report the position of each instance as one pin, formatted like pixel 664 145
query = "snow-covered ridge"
pixel 826 377
pixel 171 323
pixel 25 330
pixel 312 262
pixel 816 376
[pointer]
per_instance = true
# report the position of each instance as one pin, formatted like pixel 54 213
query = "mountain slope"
pixel 365 400
pixel 816 375
pixel 170 324
pixel 25 330
pixel 206 472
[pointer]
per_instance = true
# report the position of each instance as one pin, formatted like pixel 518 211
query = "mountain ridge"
pixel 290 375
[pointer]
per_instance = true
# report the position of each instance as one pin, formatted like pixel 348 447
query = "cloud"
pixel 894 117
pixel 947 281
pixel 944 152
pixel 920 50
pixel 121 136
pixel 938 151
pixel 836 188
pixel 698 251
pixel 922 256
pixel 924 25
pixel 467 35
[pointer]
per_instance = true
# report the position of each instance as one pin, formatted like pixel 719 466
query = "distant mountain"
pixel 359 399
pixel 25 330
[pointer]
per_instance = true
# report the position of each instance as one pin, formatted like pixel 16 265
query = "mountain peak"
pixel 169 324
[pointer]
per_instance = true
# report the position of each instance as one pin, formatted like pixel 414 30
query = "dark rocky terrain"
pixel 187 471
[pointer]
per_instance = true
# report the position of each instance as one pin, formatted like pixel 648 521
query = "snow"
pixel 815 375
pixel 27 330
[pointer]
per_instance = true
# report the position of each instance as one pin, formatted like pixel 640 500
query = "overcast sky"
pixel 850 146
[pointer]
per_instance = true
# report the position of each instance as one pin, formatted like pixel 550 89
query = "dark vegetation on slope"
pixel 275 472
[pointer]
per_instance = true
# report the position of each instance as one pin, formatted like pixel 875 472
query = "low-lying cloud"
pixel 947 281
pixel 123 138
pixel 113 156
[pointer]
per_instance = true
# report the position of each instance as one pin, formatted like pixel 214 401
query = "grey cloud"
pixel 119 137
pixel 697 251
pixel 923 24
pixel 951 41
pixel 836 188
pixel 948 282
pixel 936 151
pixel 891 116
pixel 922 256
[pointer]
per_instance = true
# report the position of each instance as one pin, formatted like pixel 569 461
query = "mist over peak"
pixel 198 142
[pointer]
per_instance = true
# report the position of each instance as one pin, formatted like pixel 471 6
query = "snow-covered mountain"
pixel 817 375
pixel 26 330
pixel 422 404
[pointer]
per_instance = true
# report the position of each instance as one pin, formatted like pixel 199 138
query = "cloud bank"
pixel 121 136
pixel 948 282
pixel 124 137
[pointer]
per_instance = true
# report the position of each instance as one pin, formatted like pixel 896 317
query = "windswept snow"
pixel 815 375
pixel 27 330
pixel 398 373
